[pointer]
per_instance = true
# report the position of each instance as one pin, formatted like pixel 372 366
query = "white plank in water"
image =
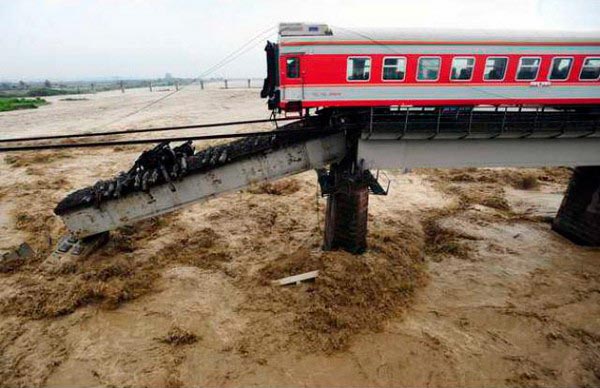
pixel 296 278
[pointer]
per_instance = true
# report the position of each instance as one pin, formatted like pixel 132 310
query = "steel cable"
pixel 144 130
pixel 288 132
pixel 210 70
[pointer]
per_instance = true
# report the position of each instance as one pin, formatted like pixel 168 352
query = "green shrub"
pixel 7 104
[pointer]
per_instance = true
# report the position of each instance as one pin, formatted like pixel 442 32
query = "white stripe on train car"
pixel 438 49
pixel 446 35
pixel 332 93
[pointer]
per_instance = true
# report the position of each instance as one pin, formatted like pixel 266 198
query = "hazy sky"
pixel 77 39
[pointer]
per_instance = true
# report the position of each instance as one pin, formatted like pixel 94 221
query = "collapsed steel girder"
pixel 163 198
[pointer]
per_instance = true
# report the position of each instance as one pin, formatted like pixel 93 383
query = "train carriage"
pixel 314 66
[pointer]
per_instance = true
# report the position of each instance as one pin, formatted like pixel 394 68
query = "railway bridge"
pixel 345 147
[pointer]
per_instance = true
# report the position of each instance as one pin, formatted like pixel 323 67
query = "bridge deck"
pixel 489 123
pixel 385 154
pixel 484 138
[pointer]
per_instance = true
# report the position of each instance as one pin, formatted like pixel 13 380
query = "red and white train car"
pixel 314 66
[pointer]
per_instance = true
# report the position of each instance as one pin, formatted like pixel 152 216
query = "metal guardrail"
pixel 460 123
pixel 232 83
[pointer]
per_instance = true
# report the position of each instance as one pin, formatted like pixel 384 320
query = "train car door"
pixel 294 75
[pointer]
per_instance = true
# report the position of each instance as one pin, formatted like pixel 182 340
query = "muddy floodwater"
pixel 464 283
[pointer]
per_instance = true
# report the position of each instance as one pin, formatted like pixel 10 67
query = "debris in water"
pixel 281 187
pixel 15 257
pixel 297 279
pixel 178 336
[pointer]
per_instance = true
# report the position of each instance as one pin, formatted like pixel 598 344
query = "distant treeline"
pixel 49 88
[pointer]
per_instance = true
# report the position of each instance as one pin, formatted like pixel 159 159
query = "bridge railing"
pixel 231 83
pixel 482 124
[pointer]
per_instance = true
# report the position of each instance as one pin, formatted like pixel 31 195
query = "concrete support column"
pixel 346 218
pixel 578 218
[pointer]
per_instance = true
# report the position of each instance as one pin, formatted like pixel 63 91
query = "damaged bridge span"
pixel 164 179
pixel 343 148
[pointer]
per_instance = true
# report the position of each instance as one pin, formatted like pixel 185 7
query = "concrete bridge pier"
pixel 346 213
pixel 578 218
pixel 347 186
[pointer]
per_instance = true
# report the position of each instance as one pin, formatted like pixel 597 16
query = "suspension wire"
pixel 212 69
pixel 239 50
pixel 233 58
pixel 365 36
pixel 287 132
pixel 143 130
pixel 132 113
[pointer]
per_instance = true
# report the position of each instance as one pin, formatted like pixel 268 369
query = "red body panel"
pixel 329 70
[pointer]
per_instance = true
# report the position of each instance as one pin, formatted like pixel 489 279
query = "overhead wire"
pixel 248 45
pixel 226 60
pixel 239 50
pixel 365 36
pixel 288 132
pixel 145 130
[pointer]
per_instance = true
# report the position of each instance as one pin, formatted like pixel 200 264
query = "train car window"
pixel 359 69
pixel 429 69
pixel 561 68
pixel 462 69
pixel 590 70
pixel 394 69
pixel 528 68
pixel 495 68
pixel 293 67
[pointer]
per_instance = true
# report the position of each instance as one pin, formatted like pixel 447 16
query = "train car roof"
pixel 317 33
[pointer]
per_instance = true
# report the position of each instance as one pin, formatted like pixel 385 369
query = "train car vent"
pixel 303 29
